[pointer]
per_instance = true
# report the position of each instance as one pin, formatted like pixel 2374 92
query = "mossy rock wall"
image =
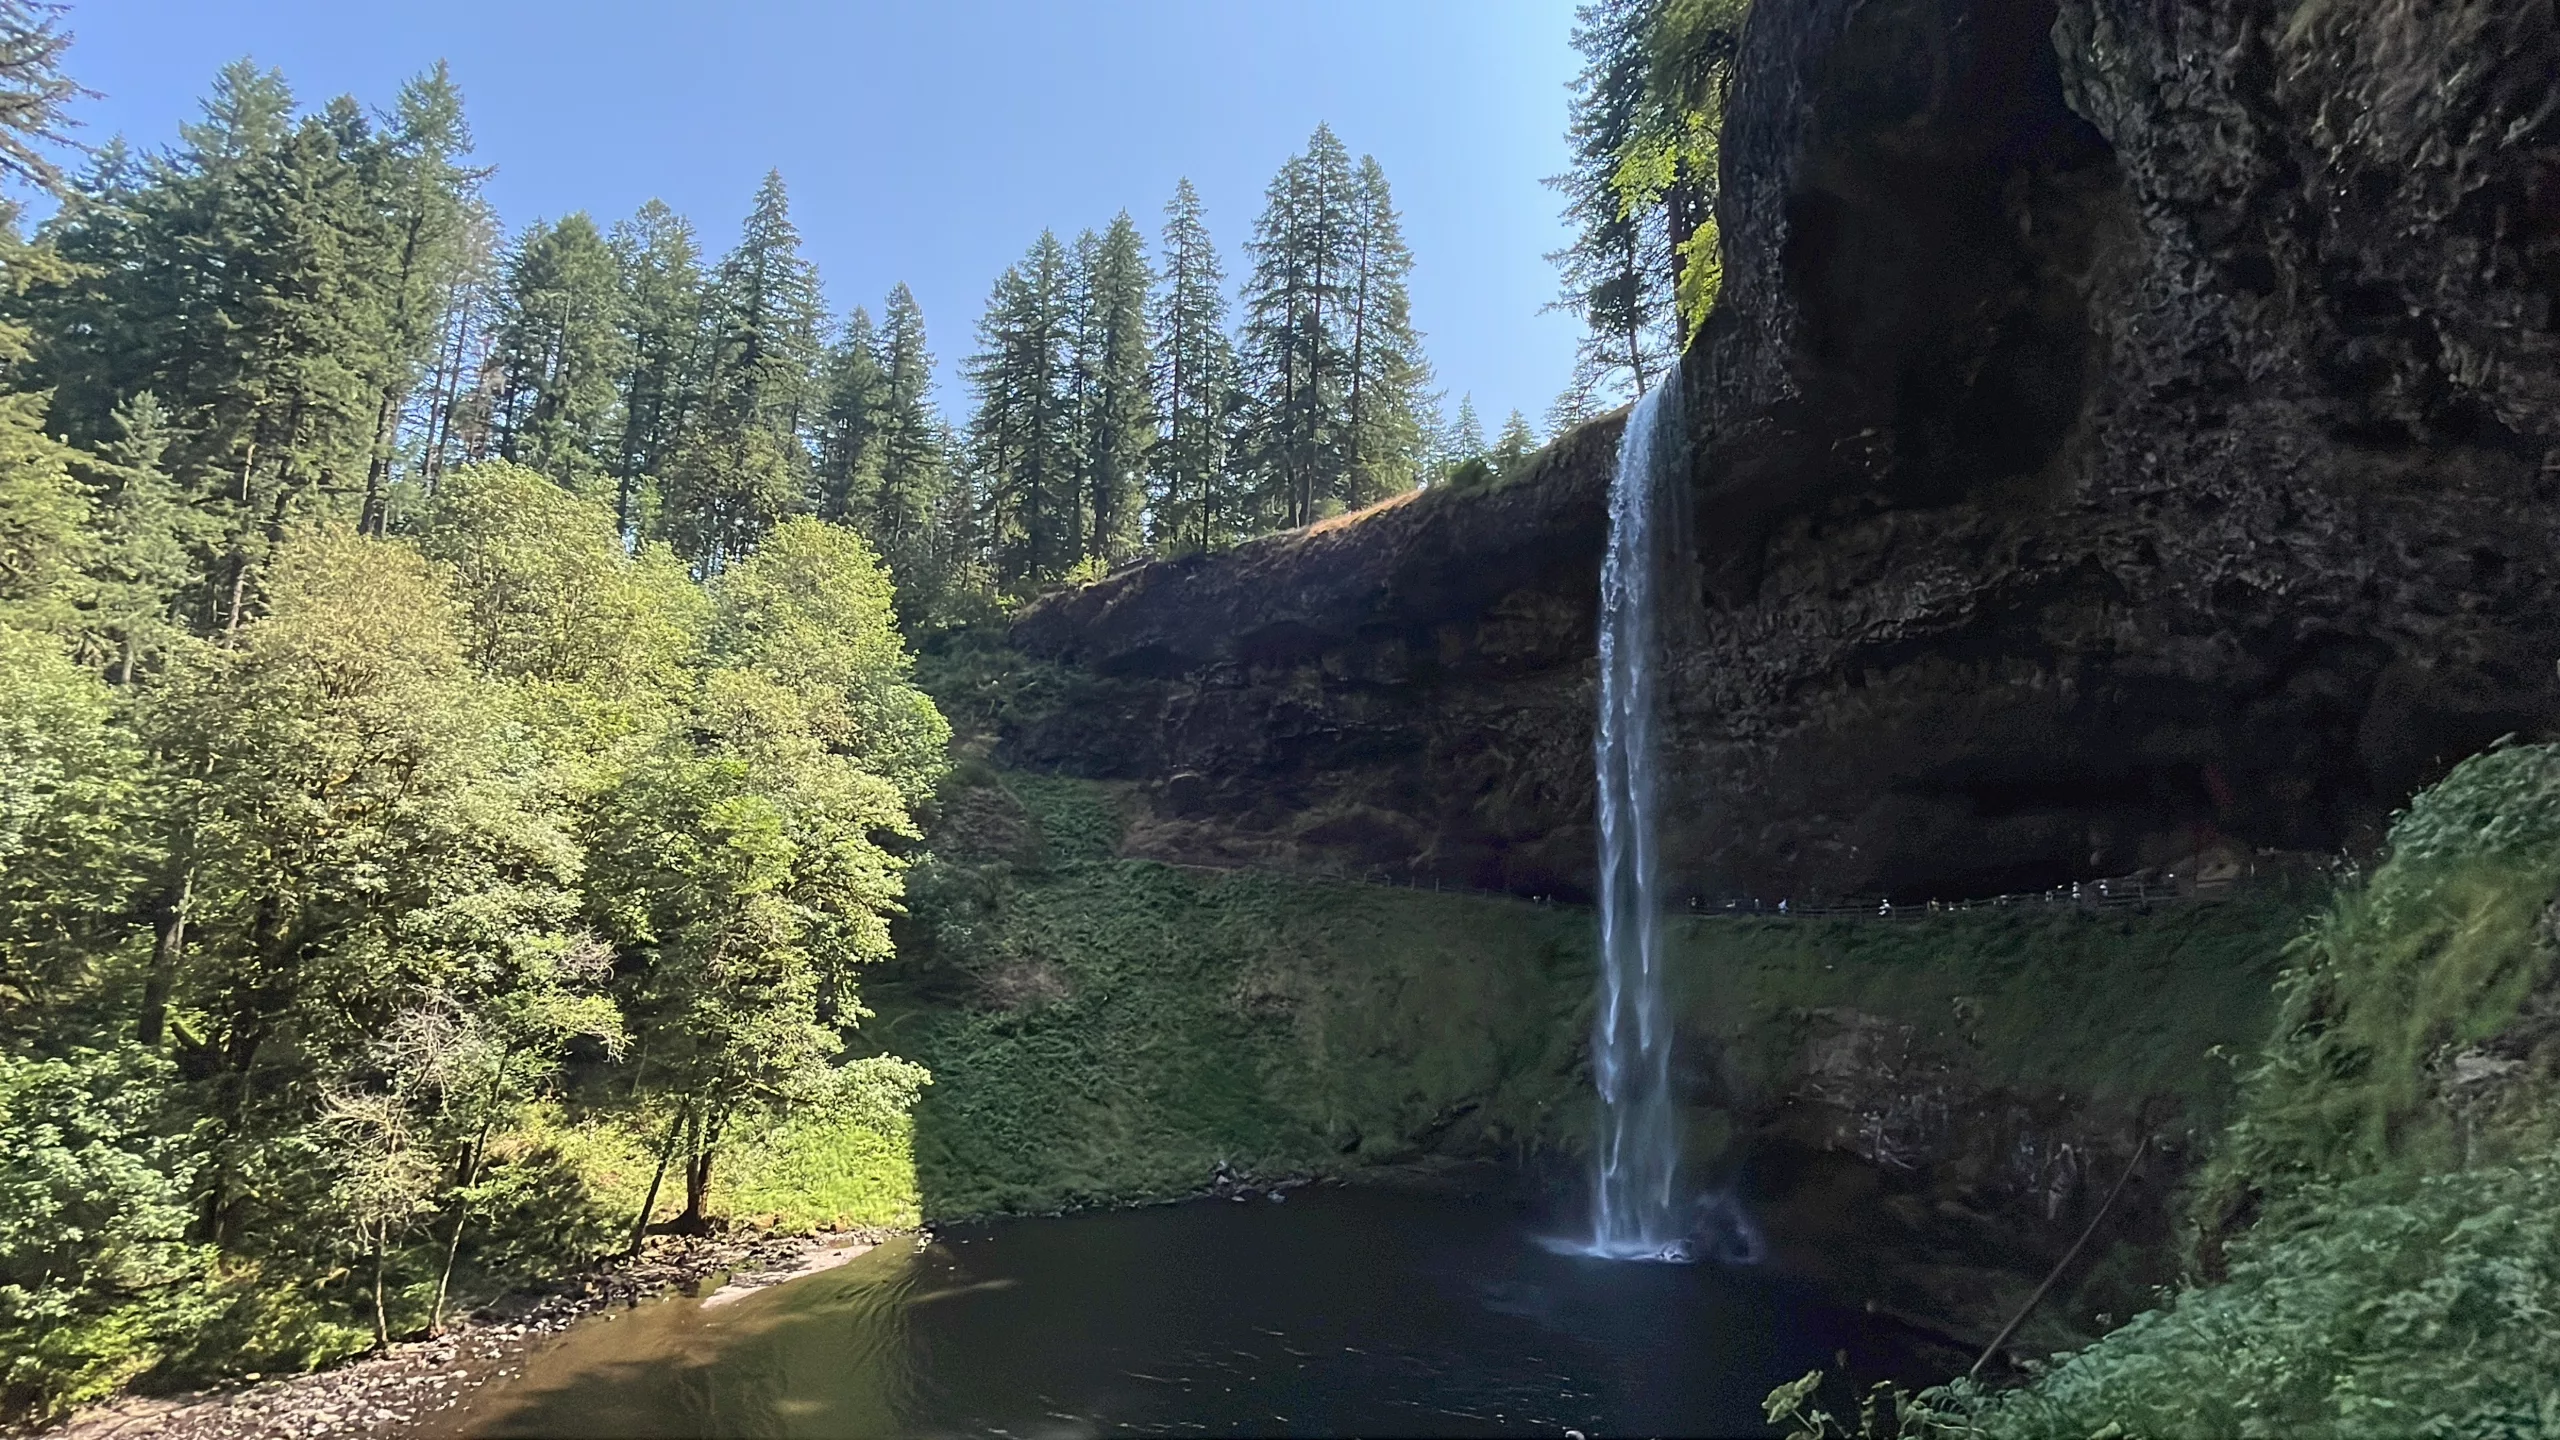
pixel 2097 1012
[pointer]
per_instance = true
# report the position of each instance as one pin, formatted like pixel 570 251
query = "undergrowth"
pixel 2376 1241
pixel 2388 1309
pixel 2391 996
pixel 803 1172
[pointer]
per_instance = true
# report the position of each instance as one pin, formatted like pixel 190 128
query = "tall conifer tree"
pixel 1118 408
pixel 146 533
pixel 1333 373
pixel 849 425
pixel 419 169
pixel 560 352
pixel 742 463
pixel 1460 441
pixel 1190 503
pixel 33 91
pixel 913 467
pixel 1292 352
pixel 663 345
pixel 450 417
pixel 1384 372
pixel 1024 432
pixel 1513 447
pixel 1616 272
pixel 767 320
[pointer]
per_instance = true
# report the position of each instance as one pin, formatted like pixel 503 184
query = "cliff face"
pixel 1405 691
pixel 2130 429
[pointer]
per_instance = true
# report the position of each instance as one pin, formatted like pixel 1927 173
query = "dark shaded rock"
pixel 1403 691
pixel 2130 429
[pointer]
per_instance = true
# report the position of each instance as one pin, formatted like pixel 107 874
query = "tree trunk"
pixel 375 515
pixel 696 1219
pixel 239 595
pixel 470 1177
pixel 626 504
pixel 666 1153
pixel 168 940
pixel 697 1193
pixel 381 1316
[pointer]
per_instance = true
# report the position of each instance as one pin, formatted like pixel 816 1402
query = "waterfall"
pixel 1634 1215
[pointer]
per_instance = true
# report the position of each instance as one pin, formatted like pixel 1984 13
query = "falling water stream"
pixel 1634 1214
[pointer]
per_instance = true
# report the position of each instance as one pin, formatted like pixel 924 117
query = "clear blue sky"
pixel 930 140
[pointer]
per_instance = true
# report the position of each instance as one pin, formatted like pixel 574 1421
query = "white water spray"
pixel 1634 1214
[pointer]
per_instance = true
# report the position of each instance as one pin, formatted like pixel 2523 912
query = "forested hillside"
pixel 456 732
pixel 457 742
pixel 319 304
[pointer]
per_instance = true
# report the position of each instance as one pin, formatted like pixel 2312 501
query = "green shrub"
pixel 2437 953
pixel 95 1277
pixel 2387 1310
pixel 1077 819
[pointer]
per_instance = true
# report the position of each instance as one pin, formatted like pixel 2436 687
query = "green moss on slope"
pixel 1127 1027
pixel 2111 1009
pixel 1103 1030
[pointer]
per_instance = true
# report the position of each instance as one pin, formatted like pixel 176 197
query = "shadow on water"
pixel 1339 1311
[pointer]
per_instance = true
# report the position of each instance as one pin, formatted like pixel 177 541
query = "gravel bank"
pixel 403 1391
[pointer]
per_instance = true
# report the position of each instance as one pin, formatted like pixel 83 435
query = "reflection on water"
pixel 1340 1311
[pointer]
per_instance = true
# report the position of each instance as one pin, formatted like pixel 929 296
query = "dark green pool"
pixel 1336 1312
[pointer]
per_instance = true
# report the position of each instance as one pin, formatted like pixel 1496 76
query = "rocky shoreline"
pixel 408 1389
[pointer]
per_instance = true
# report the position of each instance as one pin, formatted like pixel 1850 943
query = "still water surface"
pixel 1336 1312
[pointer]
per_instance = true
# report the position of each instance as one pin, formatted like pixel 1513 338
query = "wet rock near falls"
pixel 2129 432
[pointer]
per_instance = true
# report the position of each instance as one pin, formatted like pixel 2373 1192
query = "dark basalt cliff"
pixel 2131 429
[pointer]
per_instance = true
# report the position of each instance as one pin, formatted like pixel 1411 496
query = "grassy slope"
pixel 1269 1023
pixel 1103 1030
